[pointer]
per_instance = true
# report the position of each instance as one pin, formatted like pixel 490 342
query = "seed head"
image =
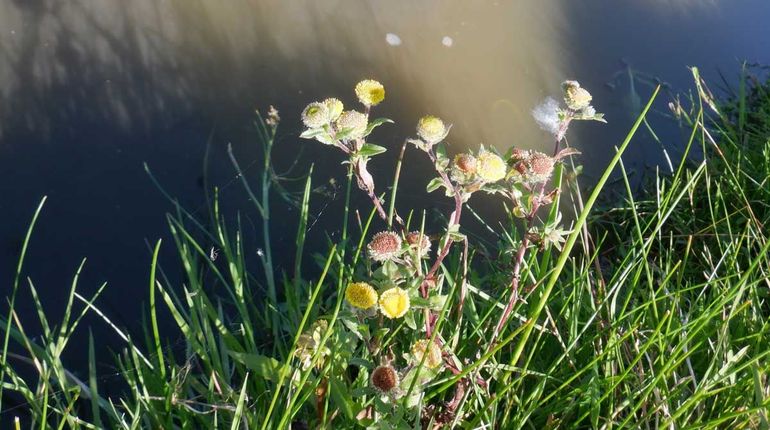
pixel 370 92
pixel 355 121
pixel 433 360
pixel 466 163
pixel 384 246
pixel 315 115
pixel 361 295
pixel 575 97
pixel 385 378
pixel 491 168
pixel 272 117
pixel 541 167
pixel 431 129
pixel 335 108
pixel 394 303
pixel 546 115
pixel 418 242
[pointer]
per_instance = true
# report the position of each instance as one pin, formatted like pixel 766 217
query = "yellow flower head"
pixel 433 360
pixel 575 97
pixel 490 168
pixel 335 108
pixel 370 92
pixel 431 129
pixel 361 295
pixel 394 303
pixel 354 121
pixel 315 115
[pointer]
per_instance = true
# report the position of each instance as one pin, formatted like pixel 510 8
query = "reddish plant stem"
pixel 357 171
pixel 454 219
pixel 522 251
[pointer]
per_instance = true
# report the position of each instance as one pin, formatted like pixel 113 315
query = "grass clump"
pixel 652 313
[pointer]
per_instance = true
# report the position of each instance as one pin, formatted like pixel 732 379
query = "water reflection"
pixel 135 63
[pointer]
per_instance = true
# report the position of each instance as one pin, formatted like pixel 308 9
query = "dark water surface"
pixel 92 89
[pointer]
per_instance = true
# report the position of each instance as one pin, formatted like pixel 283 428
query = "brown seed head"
pixel 421 244
pixel 466 163
pixel 518 154
pixel 384 246
pixel 541 165
pixel 385 378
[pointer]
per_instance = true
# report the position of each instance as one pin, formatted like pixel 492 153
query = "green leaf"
pixel 376 123
pixel 319 134
pixel 434 302
pixel 240 405
pixel 360 330
pixel 341 397
pixel 390 270
pixel 344 133
pixel 409 320
pixel 360 362
pixel 456 236
pixel 434 184
pixel 370 150
pixel 312 133
pixel 437 302
pixel 266 367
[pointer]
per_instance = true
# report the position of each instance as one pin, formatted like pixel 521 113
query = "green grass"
pixel 653 315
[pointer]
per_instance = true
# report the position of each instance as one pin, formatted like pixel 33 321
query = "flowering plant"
pixel 406 289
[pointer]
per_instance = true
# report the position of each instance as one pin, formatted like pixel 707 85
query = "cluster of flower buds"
pixel 534 167
pixel 329 123
pixel 486 167
pixel 469 172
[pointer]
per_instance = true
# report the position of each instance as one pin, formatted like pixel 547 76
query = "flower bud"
pixel 335 108
pixel 431 129
pixel 315 115
pixel 491 168
pixel 370 92
pixel 575 97
pixel 418 242
pixel 541 167
pixel 355 121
